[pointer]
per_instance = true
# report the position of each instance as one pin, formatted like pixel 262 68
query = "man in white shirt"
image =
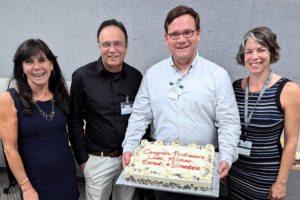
pixel 186 98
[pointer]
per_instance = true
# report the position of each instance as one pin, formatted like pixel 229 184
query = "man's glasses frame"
pixel 186 34
pixel 116 45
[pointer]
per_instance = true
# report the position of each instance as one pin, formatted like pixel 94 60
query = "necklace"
pixel 48 117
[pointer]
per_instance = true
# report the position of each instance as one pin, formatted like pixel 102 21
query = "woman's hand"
pixel 277 191
pixel 30 194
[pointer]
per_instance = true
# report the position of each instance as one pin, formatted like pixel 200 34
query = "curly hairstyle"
pixel 263 36
pixel 57 84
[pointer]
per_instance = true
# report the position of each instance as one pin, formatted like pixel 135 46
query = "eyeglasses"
pixel 186 34
pixel 116 45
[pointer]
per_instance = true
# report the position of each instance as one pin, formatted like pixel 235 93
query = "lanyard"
pixel 180 79
pixel 247 120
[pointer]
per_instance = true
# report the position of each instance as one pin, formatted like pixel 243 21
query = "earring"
pixel 52 74
pixel 24 75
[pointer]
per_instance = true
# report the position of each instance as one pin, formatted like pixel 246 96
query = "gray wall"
pixel 69 28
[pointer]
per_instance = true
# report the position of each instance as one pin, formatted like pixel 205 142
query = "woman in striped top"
pixel 263 173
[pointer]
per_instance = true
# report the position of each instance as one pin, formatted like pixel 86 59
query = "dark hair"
pixel 112 22
pixel 179 11
pixel 57 83
pixel 263 36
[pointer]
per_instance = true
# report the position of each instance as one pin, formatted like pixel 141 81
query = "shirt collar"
pixel 102 70
pixel 193 65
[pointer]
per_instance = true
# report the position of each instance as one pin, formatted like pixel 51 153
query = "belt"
pixel 107 154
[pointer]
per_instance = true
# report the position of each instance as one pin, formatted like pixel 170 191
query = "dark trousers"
pixel 177 196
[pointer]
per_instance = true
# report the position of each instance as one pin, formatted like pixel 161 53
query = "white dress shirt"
pixel 205 113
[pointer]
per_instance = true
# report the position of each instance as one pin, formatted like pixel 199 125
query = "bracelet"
pixel 24 182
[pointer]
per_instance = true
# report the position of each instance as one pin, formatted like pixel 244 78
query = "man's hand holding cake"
pixel 223 169
pixel 126 158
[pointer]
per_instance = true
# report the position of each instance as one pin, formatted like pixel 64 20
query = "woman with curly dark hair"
pixel 33 119
pixel 268 104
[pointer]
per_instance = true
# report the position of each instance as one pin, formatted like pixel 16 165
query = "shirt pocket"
pixel 202 103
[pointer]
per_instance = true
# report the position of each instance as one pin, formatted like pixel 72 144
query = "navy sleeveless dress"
pixel 45 152
pixel 251 177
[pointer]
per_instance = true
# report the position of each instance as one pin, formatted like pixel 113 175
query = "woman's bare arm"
pixel 290 101
pixel 9 136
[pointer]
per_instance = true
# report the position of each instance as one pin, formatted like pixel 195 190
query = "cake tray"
pixel 213 193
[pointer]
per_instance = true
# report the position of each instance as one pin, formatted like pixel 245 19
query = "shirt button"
pixel 180 128
pixel 117 111
pixel 115 95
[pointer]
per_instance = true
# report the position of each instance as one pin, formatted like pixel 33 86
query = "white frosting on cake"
pixel 172 165
pixel 297 156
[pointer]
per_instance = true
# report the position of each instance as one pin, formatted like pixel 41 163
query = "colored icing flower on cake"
pixel 134 159
pixel 128 169
pixel 175 144
pixel 187 175
pixel 209 166
pixel 206 177
pixel 144 142
pixel 158 143
pixel 210 147
pixel 146 171
pixel 193 146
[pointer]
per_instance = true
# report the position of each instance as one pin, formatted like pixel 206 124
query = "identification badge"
pixel 173 94
pixel 126 108
pixel 244 148
pixel 174 90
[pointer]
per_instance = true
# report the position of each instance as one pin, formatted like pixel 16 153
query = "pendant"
pixel 48 117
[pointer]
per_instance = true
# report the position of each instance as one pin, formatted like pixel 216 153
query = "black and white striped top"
pixel 252 176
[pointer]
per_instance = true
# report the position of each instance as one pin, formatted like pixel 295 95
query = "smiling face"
pixel 38 70
pixel 112 57
pixel 257 57
pixel 183 49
